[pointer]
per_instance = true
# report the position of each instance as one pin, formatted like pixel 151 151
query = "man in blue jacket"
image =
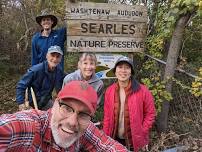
pixel 43 78
pixel 41 41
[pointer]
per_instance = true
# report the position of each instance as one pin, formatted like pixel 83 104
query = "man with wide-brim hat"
pixel 46 14
pixel 47 37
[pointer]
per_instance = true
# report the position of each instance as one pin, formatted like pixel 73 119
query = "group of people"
pixel 64 123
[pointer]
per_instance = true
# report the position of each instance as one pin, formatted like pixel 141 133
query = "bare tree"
pixel 42 4
pixel 173 53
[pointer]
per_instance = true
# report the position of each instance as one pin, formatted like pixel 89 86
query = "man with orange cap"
pixel 65 127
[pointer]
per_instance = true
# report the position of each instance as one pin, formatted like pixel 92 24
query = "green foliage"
pixel 164 25
pixel 197 85
pixel 71 62
pixel 192 45
pixel 158 91
pixel 154 44
pixel 157 88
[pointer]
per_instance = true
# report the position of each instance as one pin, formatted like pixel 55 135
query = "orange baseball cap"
pixel 82 91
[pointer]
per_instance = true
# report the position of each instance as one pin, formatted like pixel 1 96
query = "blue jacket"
pixel 41 80
pixel 40 45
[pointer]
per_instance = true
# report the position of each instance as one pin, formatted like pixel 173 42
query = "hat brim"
pixel 55 51
pixel 124 61
pixel 53 18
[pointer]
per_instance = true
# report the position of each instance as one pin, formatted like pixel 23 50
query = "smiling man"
pixel 43 78
pixel 47 37
pixel 67 127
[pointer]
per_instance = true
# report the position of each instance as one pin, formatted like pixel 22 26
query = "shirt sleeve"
pixel 149 111
pixel 106 114
pixel 5 134
pixel 60 76
pixel 24 82
pixel 63 32
pixel 34 52
pixel 96 140
pixel 16 132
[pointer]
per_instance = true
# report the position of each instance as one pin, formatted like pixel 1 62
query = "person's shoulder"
pixel 111 87
pixel 37 67
pixel 22 116
pixel 100 82
pixel 59 30
pixel 72 76
pixel 143 87
pixel 23 121
pixel 96 79
pixel 36 35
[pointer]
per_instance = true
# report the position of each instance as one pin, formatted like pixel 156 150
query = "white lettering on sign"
pixel 105 44
pixel 105 27
pixel 129 13
pixel 90 11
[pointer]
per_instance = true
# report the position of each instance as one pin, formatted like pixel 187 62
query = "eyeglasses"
pixel 67 111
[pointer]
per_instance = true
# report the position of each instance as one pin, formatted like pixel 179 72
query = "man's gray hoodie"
pixel 95 82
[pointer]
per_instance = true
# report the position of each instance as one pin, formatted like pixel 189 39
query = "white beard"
pixel 64 143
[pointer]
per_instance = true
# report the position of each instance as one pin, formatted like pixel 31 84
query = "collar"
pixel 128 89
pixel 46 67
pixel 40 33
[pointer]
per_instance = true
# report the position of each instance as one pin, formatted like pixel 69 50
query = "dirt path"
pixel 7 96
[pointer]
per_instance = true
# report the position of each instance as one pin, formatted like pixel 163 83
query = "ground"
pixel 7 95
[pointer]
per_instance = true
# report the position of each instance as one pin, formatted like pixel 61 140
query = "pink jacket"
pixel 141 114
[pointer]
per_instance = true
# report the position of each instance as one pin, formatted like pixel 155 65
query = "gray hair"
pixel 84 56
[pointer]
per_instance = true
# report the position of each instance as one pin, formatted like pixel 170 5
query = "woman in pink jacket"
pixel 129 110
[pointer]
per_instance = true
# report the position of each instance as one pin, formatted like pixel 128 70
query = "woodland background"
pixel 174 37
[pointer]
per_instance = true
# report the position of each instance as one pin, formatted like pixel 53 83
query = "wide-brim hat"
pixel 47 14
pixel 126 60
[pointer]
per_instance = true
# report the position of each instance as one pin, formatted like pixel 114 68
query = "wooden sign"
pixel 103 27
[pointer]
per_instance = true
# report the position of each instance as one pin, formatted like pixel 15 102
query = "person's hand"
pixel 22 107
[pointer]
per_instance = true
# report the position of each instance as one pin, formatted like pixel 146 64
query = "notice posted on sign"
pixel 106 62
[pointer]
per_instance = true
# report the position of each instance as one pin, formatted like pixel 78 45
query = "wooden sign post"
pixel 103 27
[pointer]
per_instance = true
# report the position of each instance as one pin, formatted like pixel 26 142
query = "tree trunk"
pixel 1 8
pixel 43 4
pixel 153 17
pixel 175 45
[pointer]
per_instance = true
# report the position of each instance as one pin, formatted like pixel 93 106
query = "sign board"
pixel 105 65
pixel 104 27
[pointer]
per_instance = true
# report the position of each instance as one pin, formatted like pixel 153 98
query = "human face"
pixel 87 67
pixel 46 23
pixel 53 59
pixel 67 122
pixel 123 72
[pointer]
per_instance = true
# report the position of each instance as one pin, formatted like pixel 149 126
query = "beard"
pixel 62 142
pixel 52 66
